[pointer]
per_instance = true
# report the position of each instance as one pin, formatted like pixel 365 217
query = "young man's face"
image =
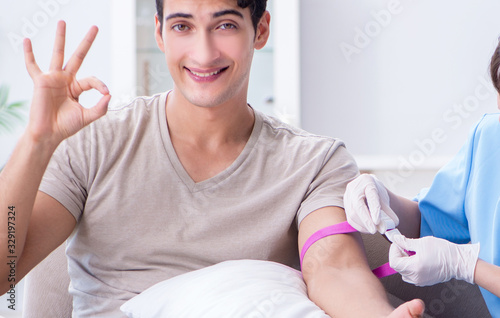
pixel 209 45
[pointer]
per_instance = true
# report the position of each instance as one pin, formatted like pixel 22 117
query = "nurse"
pixel 453 226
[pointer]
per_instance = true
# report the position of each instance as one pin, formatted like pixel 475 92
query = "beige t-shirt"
pixel 142 219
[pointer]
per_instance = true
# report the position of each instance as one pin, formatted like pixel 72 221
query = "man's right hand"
pixel 43 223
pixel 366 203
pixel 55 111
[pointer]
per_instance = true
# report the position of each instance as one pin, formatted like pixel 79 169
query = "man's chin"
pixel 206 99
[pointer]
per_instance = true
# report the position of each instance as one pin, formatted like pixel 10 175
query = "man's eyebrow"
pixel 215 15
pixel 179 15
pixel 229 11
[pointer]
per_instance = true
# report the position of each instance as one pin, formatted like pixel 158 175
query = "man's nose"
pixel 205 49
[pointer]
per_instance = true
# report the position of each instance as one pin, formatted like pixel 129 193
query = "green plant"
pixel 10 114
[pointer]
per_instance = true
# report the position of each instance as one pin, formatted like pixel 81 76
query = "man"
pixel 181 180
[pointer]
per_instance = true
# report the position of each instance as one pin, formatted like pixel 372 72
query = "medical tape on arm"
pixel 343 228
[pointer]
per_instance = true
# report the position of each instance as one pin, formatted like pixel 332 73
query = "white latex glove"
pixel 436 260
pixel 366 204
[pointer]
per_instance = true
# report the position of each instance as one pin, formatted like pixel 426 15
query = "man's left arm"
pixel 337 274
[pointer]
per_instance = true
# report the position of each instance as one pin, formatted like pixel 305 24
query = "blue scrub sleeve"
pixel 442 205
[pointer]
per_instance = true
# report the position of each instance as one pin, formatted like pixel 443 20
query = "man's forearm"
pixel 337 274
pixel 19 182
pixel 353 292
pixel 336 270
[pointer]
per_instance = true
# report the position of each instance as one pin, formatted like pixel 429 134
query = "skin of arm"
pixel 487 276
pixel 337 274
pixel 408 214
pixel 38 222
pixel 32 224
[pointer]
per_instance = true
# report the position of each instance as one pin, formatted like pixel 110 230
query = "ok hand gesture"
pixel 55 111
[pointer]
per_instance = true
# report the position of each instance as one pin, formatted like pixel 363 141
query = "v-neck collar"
pixel 179 168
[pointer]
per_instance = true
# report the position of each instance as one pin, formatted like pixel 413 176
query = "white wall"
pixel 400 81
pixel 286 29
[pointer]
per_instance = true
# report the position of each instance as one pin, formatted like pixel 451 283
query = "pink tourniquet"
pixel 344 228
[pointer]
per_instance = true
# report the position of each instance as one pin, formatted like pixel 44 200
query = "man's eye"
pixel 180 27
pixel 227 26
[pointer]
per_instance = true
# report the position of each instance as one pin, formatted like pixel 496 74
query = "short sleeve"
pixel 328 186
pixel 442 206
pixel 66 176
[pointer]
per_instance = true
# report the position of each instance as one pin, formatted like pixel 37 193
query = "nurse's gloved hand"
pixel 366 204
pixel 436 260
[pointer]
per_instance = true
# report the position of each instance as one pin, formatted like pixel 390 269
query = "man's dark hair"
pixel 495 68
pixel 257 9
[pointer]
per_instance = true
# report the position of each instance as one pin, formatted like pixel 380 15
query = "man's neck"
pixel 208 127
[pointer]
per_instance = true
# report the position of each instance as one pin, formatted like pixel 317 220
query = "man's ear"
pixel 158 34
pixel 262 32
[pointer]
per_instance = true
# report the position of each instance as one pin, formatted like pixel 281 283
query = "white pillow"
pixel 232 289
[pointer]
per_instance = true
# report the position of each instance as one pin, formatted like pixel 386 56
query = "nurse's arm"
pixel 408 214
pixel 487 276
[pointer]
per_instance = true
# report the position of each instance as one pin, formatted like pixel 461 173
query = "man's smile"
pixel 206 73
